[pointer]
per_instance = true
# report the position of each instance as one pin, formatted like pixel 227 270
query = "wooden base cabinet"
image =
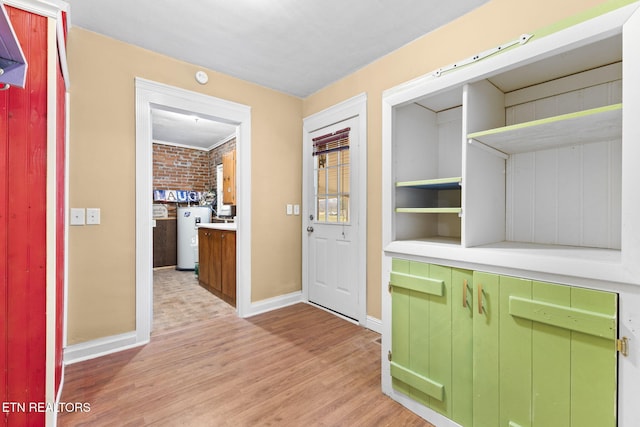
pixel 165 242
pixel 488 350
pixel 217 262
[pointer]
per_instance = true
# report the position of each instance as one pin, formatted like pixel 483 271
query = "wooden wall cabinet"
pixel 493 350
pixel 217 262
pixel 229 178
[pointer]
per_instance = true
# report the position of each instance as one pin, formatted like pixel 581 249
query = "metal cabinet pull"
pixel 480 305
pixel 464 293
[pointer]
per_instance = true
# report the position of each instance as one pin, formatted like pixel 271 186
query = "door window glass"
pixel 332 177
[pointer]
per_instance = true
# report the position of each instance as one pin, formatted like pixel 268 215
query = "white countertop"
pixel 231 226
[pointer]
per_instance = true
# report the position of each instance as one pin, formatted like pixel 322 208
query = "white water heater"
pixel 188 220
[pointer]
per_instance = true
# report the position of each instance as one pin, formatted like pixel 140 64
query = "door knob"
pixel 310 229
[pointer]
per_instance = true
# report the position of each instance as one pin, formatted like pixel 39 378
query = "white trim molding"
pixel 100 347
pixel 353 107
pixel 274 303
pixel 48 8
pixel 374 324
pixel 151 95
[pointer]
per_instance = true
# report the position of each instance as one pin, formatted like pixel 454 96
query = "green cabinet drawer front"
pixel 428 356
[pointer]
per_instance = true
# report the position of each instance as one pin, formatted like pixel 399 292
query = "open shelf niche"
pixel 544 160
pixel 427 156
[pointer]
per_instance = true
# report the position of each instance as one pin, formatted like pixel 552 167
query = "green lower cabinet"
pixel 496 351
pixel 544 354
pixel 430 362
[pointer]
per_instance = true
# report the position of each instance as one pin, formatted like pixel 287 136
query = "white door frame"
pixel 150 95
pixel 353 107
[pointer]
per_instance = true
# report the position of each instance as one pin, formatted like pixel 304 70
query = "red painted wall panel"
pixel 23 210
pixel 4 241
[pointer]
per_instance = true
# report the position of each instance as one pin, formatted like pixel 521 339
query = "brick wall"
pixel 179 168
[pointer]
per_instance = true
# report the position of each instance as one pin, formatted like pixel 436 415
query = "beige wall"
pixel 102 258
pixel 102 174
pixel 494 23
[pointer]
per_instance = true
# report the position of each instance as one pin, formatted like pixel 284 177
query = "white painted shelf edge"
pixel 429 210
pixel 435 184
pixel 592 263
pixel 582 127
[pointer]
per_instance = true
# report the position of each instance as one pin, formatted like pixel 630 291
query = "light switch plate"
pixel 296 209
pixel 289 209
pixel 93 216
pixel 76 216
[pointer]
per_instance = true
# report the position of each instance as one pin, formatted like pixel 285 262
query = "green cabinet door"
pixel 594 362
pixel 462 347
pixel 431 362
pixel 486 347
pixel 514 356
pixel 543 354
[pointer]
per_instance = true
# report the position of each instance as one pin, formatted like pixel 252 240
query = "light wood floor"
pixel 298 366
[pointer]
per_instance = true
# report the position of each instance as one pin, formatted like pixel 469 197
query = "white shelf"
pixel 582 127
pixel 453 183
pixel 429 210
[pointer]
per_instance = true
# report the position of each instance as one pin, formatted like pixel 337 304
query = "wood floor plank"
pixel 297 366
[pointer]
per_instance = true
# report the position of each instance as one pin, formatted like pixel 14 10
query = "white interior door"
pixel 332 223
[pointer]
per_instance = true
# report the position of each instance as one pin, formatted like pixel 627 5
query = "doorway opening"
pixel 188 153
pixel 152 96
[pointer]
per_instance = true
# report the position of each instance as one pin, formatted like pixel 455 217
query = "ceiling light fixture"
pixel 202 77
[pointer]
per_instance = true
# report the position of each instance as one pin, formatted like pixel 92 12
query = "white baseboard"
pixel 374 324
pixel 274 303
pixel 100 347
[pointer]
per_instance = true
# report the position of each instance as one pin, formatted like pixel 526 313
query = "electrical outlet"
pixel 93 216
pixel 76 216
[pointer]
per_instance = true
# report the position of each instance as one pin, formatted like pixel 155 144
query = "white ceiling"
pixel 186 129
pixel 294 46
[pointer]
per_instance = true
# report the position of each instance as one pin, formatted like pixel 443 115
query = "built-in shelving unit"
pixel 527 156
pixel 523 164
